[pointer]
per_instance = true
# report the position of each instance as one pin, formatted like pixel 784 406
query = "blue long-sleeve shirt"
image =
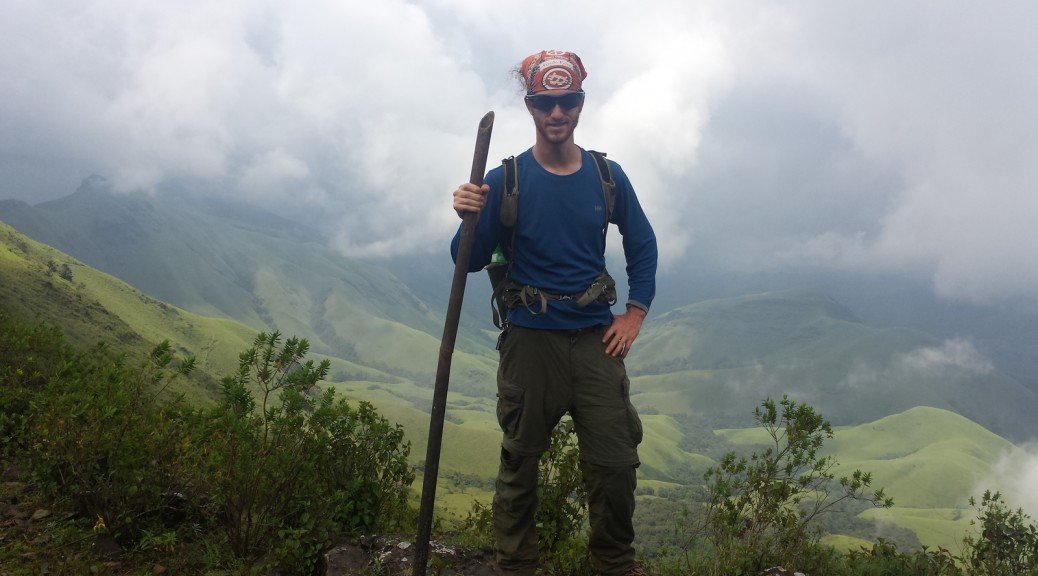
pixel 559 244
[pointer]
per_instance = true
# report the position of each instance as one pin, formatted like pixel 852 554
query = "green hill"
pixel 694 369
pixel 716 357
pixel 221 258
pixel 91 307
pixel 930 461
pixel 706 361
pixel 96 307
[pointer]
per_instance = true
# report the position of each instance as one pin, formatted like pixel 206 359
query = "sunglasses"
pixel 546 103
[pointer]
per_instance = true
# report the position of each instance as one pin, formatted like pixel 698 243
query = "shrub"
pixel 29 355
pixel 1007 543
pixel 759 509
pixel 885 558
pixel 269 478
pixel 293 474
pixel 561 516
pixel 561 494
pixel 101 437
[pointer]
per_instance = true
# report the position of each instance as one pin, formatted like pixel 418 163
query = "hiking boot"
pixel 637 571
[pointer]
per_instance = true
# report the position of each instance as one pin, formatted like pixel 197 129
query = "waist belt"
pixel 602 289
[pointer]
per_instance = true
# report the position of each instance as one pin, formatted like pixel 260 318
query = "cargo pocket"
pixel 509 409
pixel 634 423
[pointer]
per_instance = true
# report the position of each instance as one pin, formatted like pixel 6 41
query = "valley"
pixel 931 417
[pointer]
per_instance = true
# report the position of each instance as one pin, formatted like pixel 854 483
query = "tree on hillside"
pixel 1007 544
pixel 760 509
pixel 294 470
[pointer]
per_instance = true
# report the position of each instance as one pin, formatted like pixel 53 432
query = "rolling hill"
pixel 701 364
pixel 218 257
pixel 716 357
pixel 91 306
pixel 707 360
pixel 930 459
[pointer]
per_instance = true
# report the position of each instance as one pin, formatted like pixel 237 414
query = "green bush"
pixel 292 475
pixel 760 509
pixel 29 355
pixel 1007 543
pixel 102 438
pixel 884 559
pixel 268 479
pixel 561 516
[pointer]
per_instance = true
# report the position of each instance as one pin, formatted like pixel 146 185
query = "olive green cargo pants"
pixel 544 374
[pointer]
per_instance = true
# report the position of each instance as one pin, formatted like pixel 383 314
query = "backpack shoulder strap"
pixel 605 176
pixel 501 272
pixel 510 195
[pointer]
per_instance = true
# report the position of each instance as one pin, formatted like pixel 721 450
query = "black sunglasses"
pixel 546 103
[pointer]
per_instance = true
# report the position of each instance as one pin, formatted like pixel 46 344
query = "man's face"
pixel 555 117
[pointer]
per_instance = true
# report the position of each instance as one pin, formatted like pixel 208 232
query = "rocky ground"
pixel 394 555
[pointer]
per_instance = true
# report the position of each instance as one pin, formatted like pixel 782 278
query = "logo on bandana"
pixel 557 79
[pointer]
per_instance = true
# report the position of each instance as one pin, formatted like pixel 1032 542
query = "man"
pixel 560 353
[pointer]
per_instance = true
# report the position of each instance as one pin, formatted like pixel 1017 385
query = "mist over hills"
pixel 710 358
pixel 716 356
pixel 218 257
pixel 1005 334
pixel 924 411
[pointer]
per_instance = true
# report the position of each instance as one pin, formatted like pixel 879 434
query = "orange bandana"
pixel 553 71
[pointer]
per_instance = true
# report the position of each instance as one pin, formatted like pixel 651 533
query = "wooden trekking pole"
pixel 443 366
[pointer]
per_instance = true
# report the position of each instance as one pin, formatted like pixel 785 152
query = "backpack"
pixel 508 294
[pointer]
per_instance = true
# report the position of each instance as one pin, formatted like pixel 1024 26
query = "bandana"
pixel 553 71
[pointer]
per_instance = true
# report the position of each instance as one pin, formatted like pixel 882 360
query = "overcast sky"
pixel 864 136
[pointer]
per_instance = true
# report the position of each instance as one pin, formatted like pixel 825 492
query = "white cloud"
pixel 958 354
pixel 272 174
pixel 1015 476
pixel 940 93
pixel 862 136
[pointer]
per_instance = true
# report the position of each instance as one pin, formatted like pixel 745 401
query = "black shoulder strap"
pixel 510 195
pixel 605 176
pixel 500 273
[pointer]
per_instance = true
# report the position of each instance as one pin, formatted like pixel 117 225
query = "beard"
pixel 557 132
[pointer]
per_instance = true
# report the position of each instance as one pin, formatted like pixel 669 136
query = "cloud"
pixel 1015 475
pixel 271 172
pixel 951 361
pixel 956 354
pixel 938 94
pixel 863 137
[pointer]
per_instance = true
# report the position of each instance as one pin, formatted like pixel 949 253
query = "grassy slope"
pixel 716 358
pixel 909 453
pixel 929 460
pixel 218 258
pixel 711 359
pixel 96 307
